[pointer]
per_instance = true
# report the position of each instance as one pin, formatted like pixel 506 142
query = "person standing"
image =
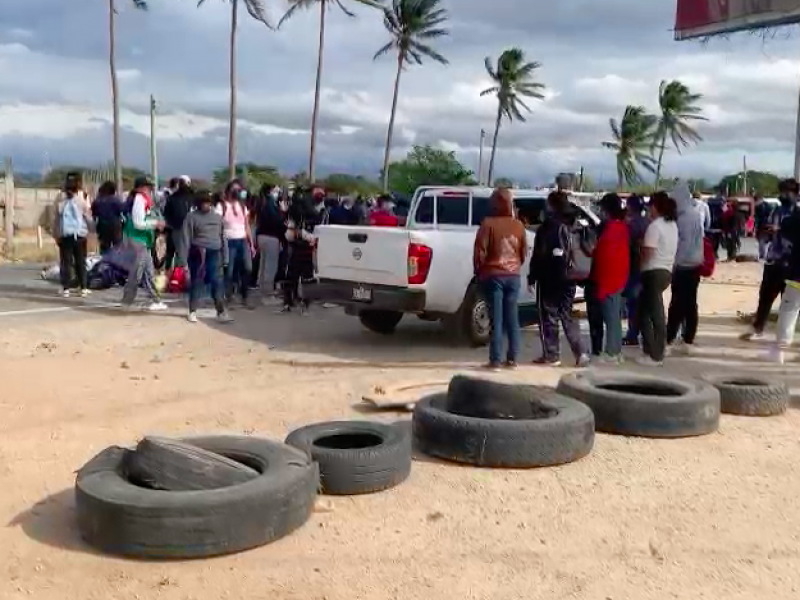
pixel 70 230
pixel 383 215
pixel 270 235
pixel 108 210
pixel 550 269
pixel 703 209
pixel 658 258
pixel 498 255
pixel 716 206
pixel 139 232
pixel 774 277
pixel 761 219
pixel 689 257
pixel 240 242
pixel 205 250
pixel 790 303
pixel 637 226
pixel 299 259
pixel 610 271
pixel 176 209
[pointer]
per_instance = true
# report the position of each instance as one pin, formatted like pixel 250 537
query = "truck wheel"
pixel 380 321
pixel 475 322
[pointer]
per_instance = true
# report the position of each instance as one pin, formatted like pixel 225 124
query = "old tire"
pixel 383 322
pixel 121 518
pixel 645 405
pixel 486 399
pixel 172 465
pixel 471 324
pixel 563 438
pixel 752 396
pixel 356 457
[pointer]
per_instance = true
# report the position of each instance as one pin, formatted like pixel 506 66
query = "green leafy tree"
pixel 255 176
pixel 513 80
pixel 323 4
pixel 425 165
pixel 342 184
pixel 678 109
pixel 765 184
pixel 112 63
pixel 632 139
pixel 411 25
pixel 92 176
pixel 258 12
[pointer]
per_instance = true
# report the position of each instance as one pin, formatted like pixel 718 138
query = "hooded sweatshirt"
pixel 611 259
pixel 500 245
pixel 690 229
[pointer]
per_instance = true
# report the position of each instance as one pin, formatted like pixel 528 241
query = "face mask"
pixel 274 194
pixel 242 195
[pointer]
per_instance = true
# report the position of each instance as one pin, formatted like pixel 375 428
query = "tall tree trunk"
pixel 312 159
pixel 232 127
pixel 391 123
pixel 494 142
pixel 660 159
pixel 112 60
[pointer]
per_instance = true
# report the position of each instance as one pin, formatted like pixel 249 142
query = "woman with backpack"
pixel 659 247
pixel 70 231
pixel 241 248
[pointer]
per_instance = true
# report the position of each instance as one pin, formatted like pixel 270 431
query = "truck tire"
pixel 645 405
pixel 356 457
pixel 172 465
pixel 752 396
pixel 561 438
pixel 380 321
pixel 118 517
pixel 471 324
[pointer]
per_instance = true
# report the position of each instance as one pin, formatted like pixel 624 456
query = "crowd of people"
pixel 228 243
pixel 625 265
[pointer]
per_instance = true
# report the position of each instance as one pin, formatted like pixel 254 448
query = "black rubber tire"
pixel 683 409
pixel 471 323
pixel 486 399
pixel 345 470
pixel 752 396
pixel 165 464
pixel 383 322
pixel 521 444
pixel 118 517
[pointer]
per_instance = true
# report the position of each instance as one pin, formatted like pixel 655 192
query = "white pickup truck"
pixel 424 268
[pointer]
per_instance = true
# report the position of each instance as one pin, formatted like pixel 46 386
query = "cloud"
pixel 596 57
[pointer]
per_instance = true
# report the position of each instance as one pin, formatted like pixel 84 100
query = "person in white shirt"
pixel 658 259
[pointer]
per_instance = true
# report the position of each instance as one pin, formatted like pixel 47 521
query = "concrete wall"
pixel 30 206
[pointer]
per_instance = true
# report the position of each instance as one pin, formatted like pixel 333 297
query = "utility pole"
pixel 744 165
pixel 580 179
pixel 480 157
pixel 153 154
pixel 797 144
pixel 9 203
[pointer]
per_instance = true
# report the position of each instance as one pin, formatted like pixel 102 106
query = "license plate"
pixel 362 294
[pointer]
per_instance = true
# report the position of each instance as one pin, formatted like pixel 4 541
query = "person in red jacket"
pixel 383 215
pixel 610 270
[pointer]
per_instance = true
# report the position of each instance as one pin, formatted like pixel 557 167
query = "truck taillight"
pixel 419 263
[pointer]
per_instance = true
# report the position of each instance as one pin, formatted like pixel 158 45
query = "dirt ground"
pixel 711 517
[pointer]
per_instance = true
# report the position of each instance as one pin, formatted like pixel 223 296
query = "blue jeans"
pixel 205 269
pixel 631 295
pixel 501 296
pixel 611 308
pixel 240 267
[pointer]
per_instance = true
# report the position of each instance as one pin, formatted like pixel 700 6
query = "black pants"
pixel 683 306
pixel 732 244
pixel 555 306
pixel 72 252
pixel 773 283
pixel 109 235
pixel 594 313
pixel 716 241
pixel 651 313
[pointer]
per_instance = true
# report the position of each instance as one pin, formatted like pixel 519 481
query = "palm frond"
pixel 384 50
pixel 290 13
pixel 140 4
pixel 258 12
pixel 490 91
pixel 344 9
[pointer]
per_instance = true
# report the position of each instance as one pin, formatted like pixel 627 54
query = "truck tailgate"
pixel 377 255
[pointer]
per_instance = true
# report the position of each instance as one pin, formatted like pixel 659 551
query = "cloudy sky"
pixel 597 57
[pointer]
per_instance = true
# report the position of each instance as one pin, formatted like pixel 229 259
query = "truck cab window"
pixel 425 210
pixel 480 209
pixel 531 211
pixel 452 210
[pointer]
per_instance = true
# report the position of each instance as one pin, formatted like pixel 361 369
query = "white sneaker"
pixel 584 360
pixel 85 293
pixel 157 307
pixel 753 336
pixel 64 293
pixel 777 356
pixel 646 361
pixel 224 317
pixel 612 360
pixel 678 348
pixel 192 318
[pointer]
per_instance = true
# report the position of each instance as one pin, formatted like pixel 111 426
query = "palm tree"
pixel 513 78
pixel 258 12
pixel 632 143
pixel 112 62
pixel 295 5
pixel 678 108
pixel 411 23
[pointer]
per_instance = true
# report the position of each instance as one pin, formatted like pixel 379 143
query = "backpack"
pixel 709 259
pixel 582 242
pixel 73 221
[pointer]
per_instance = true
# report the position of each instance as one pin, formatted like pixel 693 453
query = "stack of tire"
pixel 208 496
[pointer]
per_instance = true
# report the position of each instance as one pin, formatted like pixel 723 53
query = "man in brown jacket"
pixel 500 248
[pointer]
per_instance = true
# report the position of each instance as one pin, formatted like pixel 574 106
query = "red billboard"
pixel 700 18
